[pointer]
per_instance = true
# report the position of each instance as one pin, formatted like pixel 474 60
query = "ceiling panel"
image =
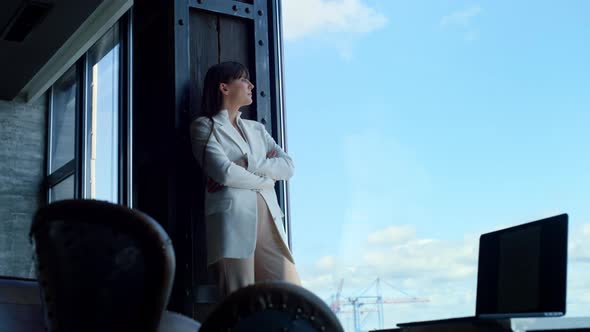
pixel 20 61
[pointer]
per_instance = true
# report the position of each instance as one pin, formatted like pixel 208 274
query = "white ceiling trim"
pixel 97 24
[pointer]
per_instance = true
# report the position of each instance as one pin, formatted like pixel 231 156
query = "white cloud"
pixel 436 259
pixel 579 245
pixel 444 272
pixel 392 235
pixel 397 255
pixel 461 17
pixel 326 263
pixel 463 20
pixel 321 284
pixel 303 18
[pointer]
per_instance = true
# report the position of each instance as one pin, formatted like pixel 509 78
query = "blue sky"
pixel 106 149
pixel 417 125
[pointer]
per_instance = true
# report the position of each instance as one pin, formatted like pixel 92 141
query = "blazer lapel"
pixel 222 120
pixel 248 132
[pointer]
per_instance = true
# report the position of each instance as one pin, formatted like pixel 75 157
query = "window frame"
pixel 77 166
pixel 69 168
pixel 277 70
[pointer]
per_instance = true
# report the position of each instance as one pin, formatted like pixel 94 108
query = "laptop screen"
pixel 522 270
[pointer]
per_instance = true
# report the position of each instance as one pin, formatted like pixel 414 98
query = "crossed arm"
pixel 247 173
pixel 277 165
pixel 213 186
pixel 217 165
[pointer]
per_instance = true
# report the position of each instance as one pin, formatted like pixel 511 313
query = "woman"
pixel 246 241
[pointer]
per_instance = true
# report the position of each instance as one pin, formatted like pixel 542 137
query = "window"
pixel 103 118
pixel 62 190
pixel 89 135
pixel 417 126
pixel 63 120
pixel 64 104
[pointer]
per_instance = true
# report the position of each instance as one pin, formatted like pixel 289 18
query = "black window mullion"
pixel 61 174
pixel 124 111
pixel 81 110
pixel 48 142
pixel 278 97
pixel 129 115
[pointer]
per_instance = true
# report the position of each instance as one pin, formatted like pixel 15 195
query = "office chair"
pixel 272 306
pixel 101 267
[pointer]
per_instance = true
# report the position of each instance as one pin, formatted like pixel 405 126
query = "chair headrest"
pixel 272 306
pixel 101 266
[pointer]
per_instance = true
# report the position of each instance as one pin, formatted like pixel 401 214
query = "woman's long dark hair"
pixel 225 72
pixel 212 99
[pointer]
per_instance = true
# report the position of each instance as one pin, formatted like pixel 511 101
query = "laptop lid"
pixel 522 270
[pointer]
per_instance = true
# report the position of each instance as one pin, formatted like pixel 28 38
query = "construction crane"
pixel 360 302
pixel 335 301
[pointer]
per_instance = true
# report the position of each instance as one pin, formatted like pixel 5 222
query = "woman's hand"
pixel 243 163
pixel 213 186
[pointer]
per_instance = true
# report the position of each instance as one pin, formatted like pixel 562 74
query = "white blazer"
pixel 231 214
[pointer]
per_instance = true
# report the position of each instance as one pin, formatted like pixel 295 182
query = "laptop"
pixel 521 272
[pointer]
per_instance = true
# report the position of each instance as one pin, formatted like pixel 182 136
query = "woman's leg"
pixel 233 274
pixel 270 261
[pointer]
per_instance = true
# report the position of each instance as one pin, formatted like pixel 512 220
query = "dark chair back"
pixel 101 266
pixel 272 306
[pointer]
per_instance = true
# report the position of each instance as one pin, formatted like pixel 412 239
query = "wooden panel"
pixel 213 39
pixel 203 53
pixel 235 36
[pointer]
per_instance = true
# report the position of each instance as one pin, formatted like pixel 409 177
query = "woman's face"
pixel 238 92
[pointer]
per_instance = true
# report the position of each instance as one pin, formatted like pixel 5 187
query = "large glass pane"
pixel 63 120
pixel 62 190
pixel 416 126
pixel 103 112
